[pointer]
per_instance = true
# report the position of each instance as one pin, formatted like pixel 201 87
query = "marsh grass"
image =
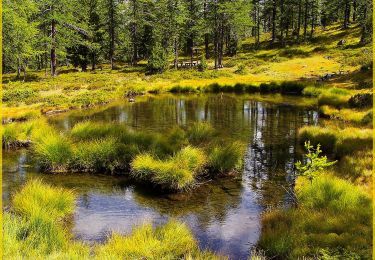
pixel 53 152
pixel 332 213
pixel 97 155
pixel 226 158
pixel 171 241
pixel 94 130
pixel 337 141
pixel 36 229
pixel 177 172
pixel 200 133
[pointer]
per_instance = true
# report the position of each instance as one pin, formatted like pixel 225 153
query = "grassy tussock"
pixel 35 197
pixel 172 241
pixel 347 115
pixel 177 172
pixel 53 152
pixel 357 167
pixel 338 141
pixel 36 230
pixel 92 130
pixel 200 132
pixel 332 213
pixel 97 155
pixel 225 159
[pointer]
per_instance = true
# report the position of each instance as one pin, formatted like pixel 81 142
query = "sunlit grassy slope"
pixel 303 62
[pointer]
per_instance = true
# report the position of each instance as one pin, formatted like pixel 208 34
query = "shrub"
pixel 202 66
pixel 227 158
pixel 361 100
pixel 269 87
pixel 54 152
pixel 200 133
pixel 314 164
pixel 290 87
pixel 181 89
pixel 158 61
pixel 176 173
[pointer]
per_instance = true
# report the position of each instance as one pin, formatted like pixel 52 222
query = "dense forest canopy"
pixel 45 34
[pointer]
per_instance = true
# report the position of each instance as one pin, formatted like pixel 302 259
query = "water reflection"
pixel 223 214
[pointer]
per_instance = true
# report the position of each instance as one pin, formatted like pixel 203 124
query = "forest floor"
pixel 305 62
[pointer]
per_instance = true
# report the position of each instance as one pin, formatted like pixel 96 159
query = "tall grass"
pixel 332 213
pixel 225 159
pixel 35 197
pixel 338 141
pixel 171 241
pixel 95 130
pixel 53 152
pixel 96 155
pixel 200 132
pixel 177 172
pixel 36 229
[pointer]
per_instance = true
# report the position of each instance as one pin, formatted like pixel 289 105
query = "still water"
pixel 224 214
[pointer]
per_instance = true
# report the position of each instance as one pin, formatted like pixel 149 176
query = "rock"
pixel 341 42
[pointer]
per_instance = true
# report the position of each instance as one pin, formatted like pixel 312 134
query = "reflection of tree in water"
pixel 209 202
pixel 273 148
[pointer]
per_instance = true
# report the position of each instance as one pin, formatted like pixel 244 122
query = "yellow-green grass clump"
pixel 177 172
pixel 36 228
pixel 348 115
pixel 338 141
pixel 332 214
pixel 172 241
pixel 200 133
pixel 226 158
pixel 94 130
pixel 54 152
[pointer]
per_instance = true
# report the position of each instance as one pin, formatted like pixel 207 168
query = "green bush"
pixel 269 87
pixel 290 87
pixel 225 159
pixel 202 66
pixel 241 69
pixel 158 60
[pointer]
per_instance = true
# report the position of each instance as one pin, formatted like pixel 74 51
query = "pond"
pixel 223 214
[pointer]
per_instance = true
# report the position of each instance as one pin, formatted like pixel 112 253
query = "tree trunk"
pixel 306 16
pixel 274 21
pixel 282 22
pixel 111 32
pixel 175 53
pixel 354 10
pixel 299 18
pixel 53 48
